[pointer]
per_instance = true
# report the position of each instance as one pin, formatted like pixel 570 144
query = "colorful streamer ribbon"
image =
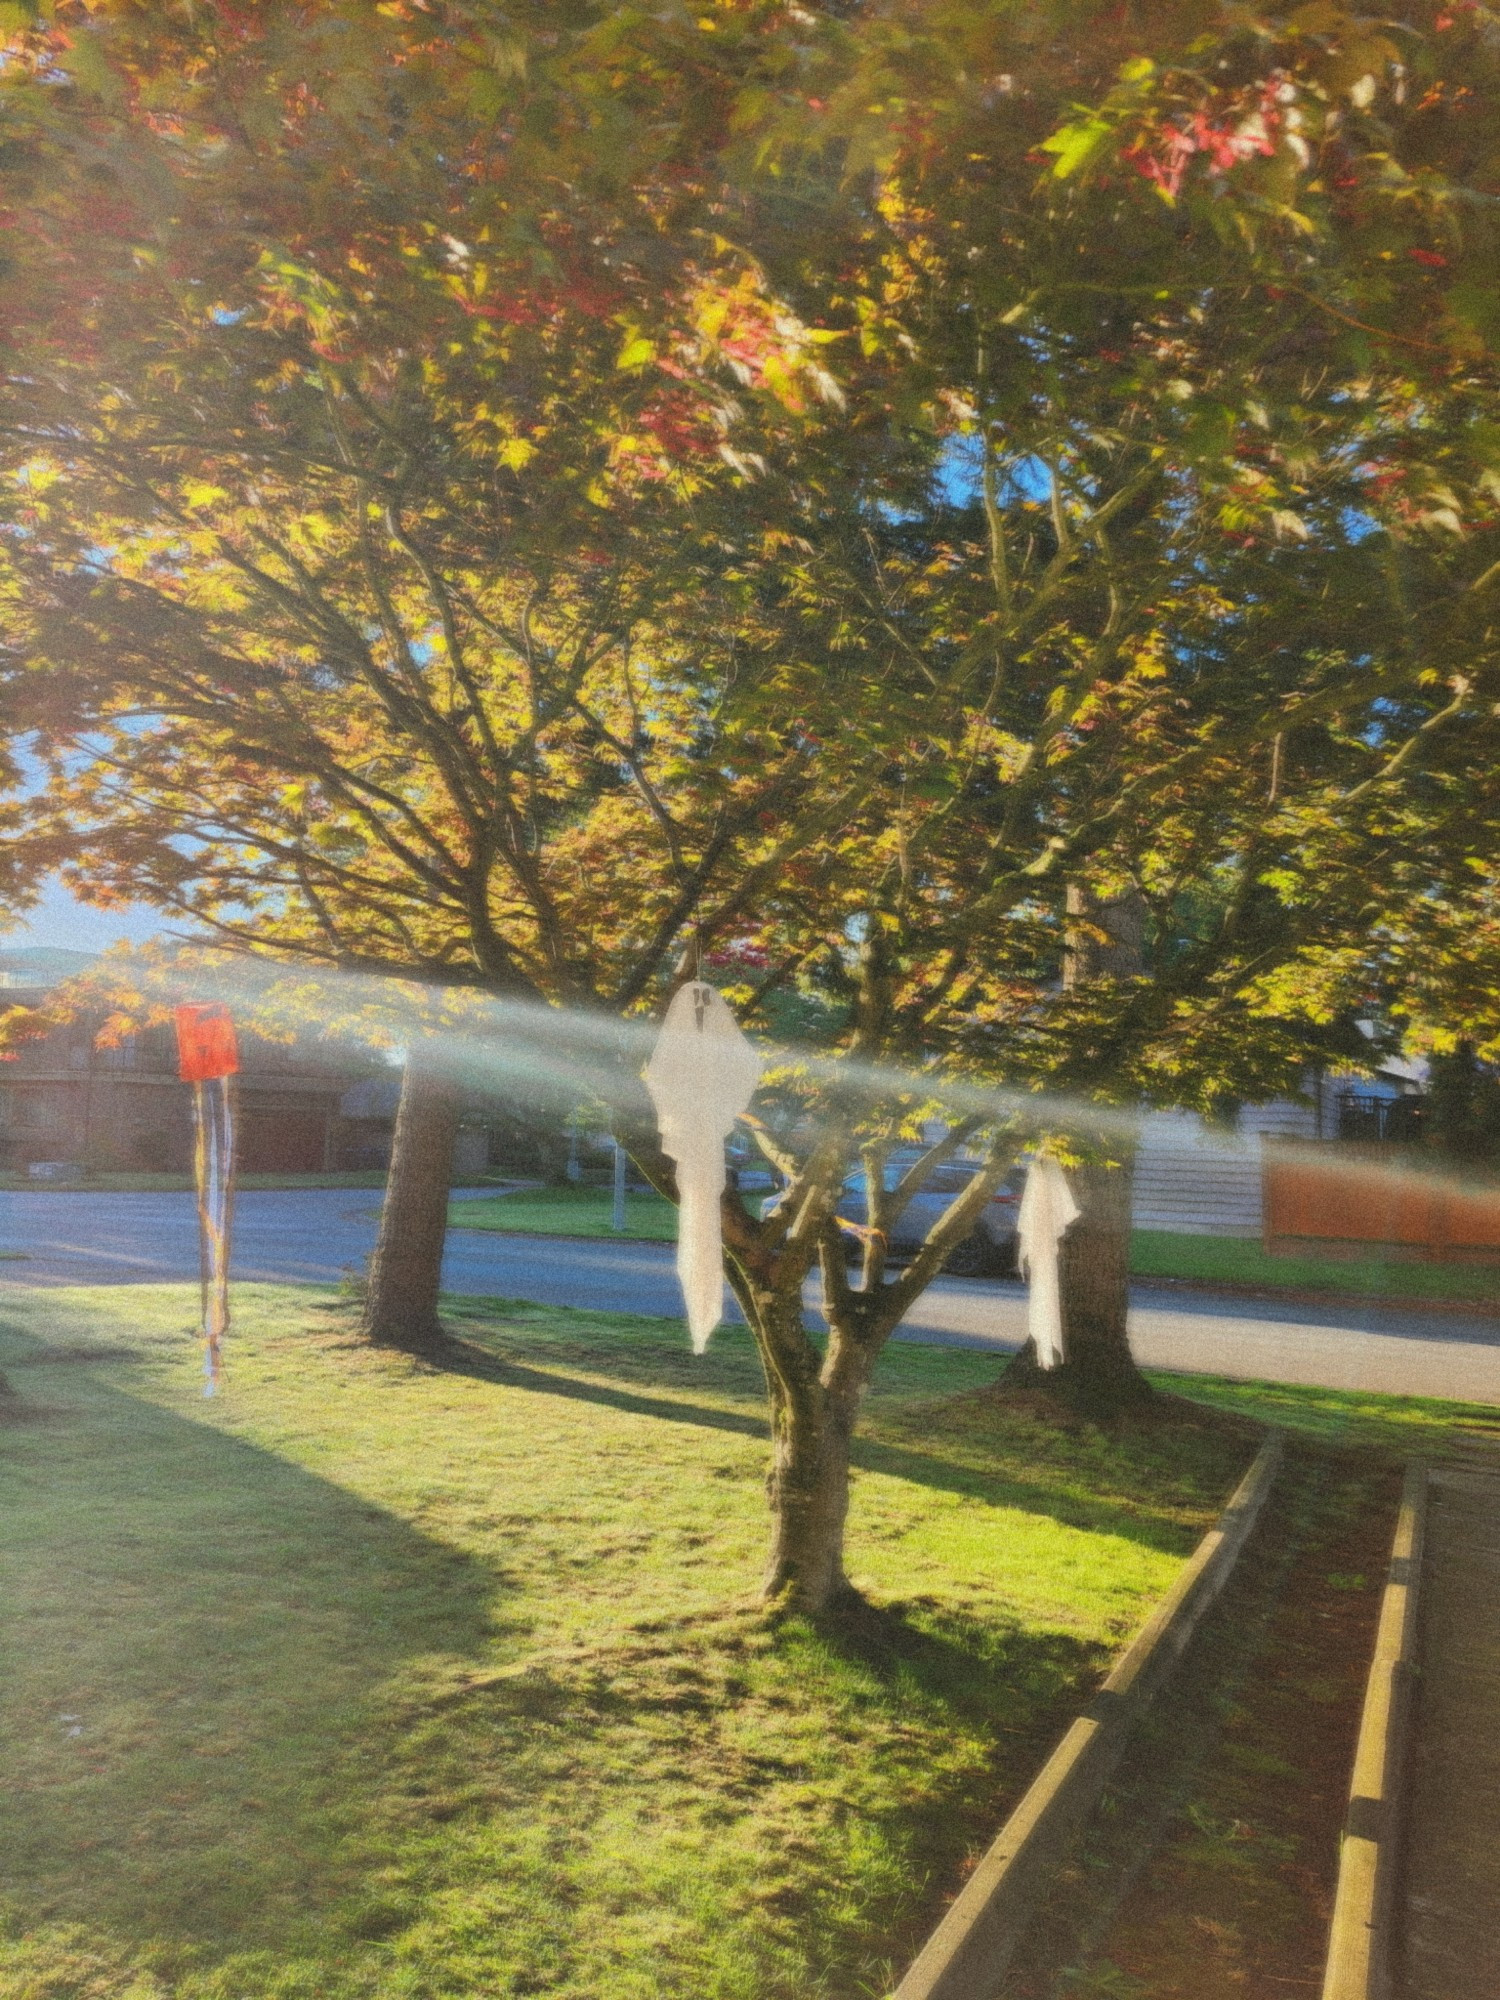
pixel 208 1059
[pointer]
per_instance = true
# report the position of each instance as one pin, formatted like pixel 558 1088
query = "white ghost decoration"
pixel 1048 1212
pixel 701 1076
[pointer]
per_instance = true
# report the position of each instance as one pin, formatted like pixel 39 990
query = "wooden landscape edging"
pixel 967 1955
pixel 1362 1938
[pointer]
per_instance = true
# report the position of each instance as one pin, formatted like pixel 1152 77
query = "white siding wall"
pixel 1205 1181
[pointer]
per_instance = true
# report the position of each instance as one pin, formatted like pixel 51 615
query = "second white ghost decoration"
pixel 1048 1212
pixel 701 1076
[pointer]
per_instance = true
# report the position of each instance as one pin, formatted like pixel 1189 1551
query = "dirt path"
pixel 1452 1917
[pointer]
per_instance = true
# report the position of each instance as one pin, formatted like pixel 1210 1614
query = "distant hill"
pixel 42 965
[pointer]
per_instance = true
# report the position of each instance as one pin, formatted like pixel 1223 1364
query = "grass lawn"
pixel 1160 1253
pixel 570 1211
pixel 371 1678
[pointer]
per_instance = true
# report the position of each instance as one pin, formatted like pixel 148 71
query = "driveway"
pixel 316 1235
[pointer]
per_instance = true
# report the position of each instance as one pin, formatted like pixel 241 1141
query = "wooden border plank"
pixel 1362 1938
pixel 967 1955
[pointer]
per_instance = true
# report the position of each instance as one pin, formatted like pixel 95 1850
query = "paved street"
pixel 315 1235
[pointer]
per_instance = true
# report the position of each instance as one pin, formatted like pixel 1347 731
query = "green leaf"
pixel 88 68
pixel 1075 145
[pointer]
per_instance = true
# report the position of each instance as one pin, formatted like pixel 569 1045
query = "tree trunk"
pixel 813 1412
pixel 401 1307
pixel 1098 1375
pixel 1105 938
pixel 1095 1274
pixel 808 1488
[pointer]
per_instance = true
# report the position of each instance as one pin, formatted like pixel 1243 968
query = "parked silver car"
pixel 989 1249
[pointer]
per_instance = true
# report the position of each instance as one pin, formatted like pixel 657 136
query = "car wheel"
pixel 969 1259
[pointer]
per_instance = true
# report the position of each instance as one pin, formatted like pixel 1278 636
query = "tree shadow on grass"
pixel 646 1364
pixel 1022 1688
pixel 669 1715
pixel 295 1741
pixel 197 1629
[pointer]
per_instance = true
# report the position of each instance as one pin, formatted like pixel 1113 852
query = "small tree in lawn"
pixel 468 558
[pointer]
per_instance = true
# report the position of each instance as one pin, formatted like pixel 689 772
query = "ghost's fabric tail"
pixel 1044 1305
pixel 700 1242
pixel 1048 1211
pixel 213 1173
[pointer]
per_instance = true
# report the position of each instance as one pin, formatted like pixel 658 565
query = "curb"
pixel 967 1955
pixel 1310 1295
pixel 1361 1942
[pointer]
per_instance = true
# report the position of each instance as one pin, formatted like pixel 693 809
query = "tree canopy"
pixel 505 490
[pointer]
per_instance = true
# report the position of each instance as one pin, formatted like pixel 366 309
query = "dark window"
pixel 1397 1120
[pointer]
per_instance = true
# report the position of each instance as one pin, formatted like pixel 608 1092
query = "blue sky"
pixel 60 920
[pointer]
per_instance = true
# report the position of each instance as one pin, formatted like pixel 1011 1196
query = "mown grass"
pixel 571 1211
pixel 372 1678
pixel 1379 1427
pixel 1220 1260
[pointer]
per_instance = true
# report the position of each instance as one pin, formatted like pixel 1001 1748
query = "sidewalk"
pixel 1452 1889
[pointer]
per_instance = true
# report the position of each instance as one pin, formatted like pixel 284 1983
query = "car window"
pixel 942 1180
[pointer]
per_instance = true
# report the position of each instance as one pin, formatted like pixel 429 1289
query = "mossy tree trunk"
pixel 401 1306
pixel 814 1407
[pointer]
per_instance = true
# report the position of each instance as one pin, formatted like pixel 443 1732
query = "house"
pixel 122 1109
pixel 1206 1180
pixel 304 1108
pixel 367 1121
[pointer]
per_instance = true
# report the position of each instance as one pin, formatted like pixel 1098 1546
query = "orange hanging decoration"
pixel 206 1047
pixel 208 1058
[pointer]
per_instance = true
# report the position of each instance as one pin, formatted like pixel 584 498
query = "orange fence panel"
pixel 1323 1191
pixel 1471 1218
pixel 1338 1193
